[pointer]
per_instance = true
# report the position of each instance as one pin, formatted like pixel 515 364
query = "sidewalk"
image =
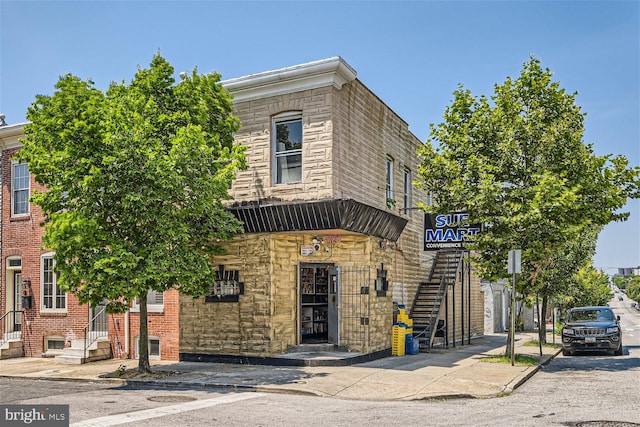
pixel 442 373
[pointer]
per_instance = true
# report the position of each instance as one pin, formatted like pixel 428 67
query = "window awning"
pixel 343 214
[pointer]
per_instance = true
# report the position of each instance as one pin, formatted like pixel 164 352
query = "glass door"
pixel 313 303
pixel 17 301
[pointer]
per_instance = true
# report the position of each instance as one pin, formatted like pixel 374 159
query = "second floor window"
pixel 406 190
pixel 53 298
pixel 389 181
pixel 287 160
pixel 19 189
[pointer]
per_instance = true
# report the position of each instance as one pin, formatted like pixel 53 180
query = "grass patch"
pixel 534 343
pixel 520 360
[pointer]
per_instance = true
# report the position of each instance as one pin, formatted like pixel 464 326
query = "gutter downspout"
pixel 126 333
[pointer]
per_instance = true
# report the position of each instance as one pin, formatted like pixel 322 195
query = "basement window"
pixel 53 345
pixel 154 347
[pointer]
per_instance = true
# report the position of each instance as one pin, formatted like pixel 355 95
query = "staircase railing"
pixel 11 324
pixel 449 274
pixel 97 327
pixel 451 271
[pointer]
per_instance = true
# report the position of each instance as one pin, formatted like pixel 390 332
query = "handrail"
pixel 10 317
pixel 98 334
pixel 444 281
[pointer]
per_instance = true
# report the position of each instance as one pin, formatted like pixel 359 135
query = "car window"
pixel 591 315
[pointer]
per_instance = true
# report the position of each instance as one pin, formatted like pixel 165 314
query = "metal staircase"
pixel 428 300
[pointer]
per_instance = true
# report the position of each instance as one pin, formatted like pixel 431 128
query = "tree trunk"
pixel 542 321
pixel 143 342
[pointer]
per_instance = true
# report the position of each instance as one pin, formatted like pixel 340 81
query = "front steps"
pixel 316 348
pixel 75 355
pixel 10 349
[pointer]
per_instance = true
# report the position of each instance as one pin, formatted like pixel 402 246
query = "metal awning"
pixel 343 214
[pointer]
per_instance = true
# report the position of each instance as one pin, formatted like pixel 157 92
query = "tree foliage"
pixel 633 288
pixel 589 287
pixel 517 164
pixel 135 177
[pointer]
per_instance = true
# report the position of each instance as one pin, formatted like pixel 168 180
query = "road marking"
pixel 146 414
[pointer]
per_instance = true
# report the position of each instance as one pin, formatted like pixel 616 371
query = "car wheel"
pixel 566 352
pixel 619 351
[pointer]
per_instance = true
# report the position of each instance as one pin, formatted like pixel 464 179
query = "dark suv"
pixel 591 329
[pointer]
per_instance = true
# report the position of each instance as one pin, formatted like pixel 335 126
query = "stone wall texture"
pixel 348 134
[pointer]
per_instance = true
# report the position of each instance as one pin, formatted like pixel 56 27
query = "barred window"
pixel 226 286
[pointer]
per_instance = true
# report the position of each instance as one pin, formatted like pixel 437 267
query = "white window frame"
pixel 13 296
pixel 53 351
pixel 54 283
pixel 151 356
pixel 277 154
pixel 430 198
pixel 152 307
pixel 406 191
pixel 15 190
pixel 389 180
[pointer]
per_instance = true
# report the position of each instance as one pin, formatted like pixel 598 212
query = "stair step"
pixel 70 360
pixel 10 349
pixel 75 355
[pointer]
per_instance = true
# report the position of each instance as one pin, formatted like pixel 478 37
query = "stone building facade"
pixel 328 193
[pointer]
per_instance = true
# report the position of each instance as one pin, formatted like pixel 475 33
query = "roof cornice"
pixel 326 72
pixel 10 136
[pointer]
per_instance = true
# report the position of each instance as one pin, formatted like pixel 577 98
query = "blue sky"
pixel 411 54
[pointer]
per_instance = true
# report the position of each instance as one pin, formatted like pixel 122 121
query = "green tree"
pixel 589 288
pixel 517 164
pixel 633 288
pixel 621 282
pixel 135 177
pixel 559 274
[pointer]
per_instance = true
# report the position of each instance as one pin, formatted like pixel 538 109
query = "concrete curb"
pixel 396 379
pixel 521 379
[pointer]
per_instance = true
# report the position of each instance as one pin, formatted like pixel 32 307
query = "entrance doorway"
pixel 314 301
pixel 13 300
pixel 17 301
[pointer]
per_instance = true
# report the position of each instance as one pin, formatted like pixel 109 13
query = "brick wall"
pixel 163 325
pixel 22 237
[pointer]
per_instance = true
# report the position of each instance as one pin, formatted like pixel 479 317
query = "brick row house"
pixel 38 318
pixel 333 241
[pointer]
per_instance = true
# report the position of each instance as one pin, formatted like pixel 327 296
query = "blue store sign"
pixel 444 231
